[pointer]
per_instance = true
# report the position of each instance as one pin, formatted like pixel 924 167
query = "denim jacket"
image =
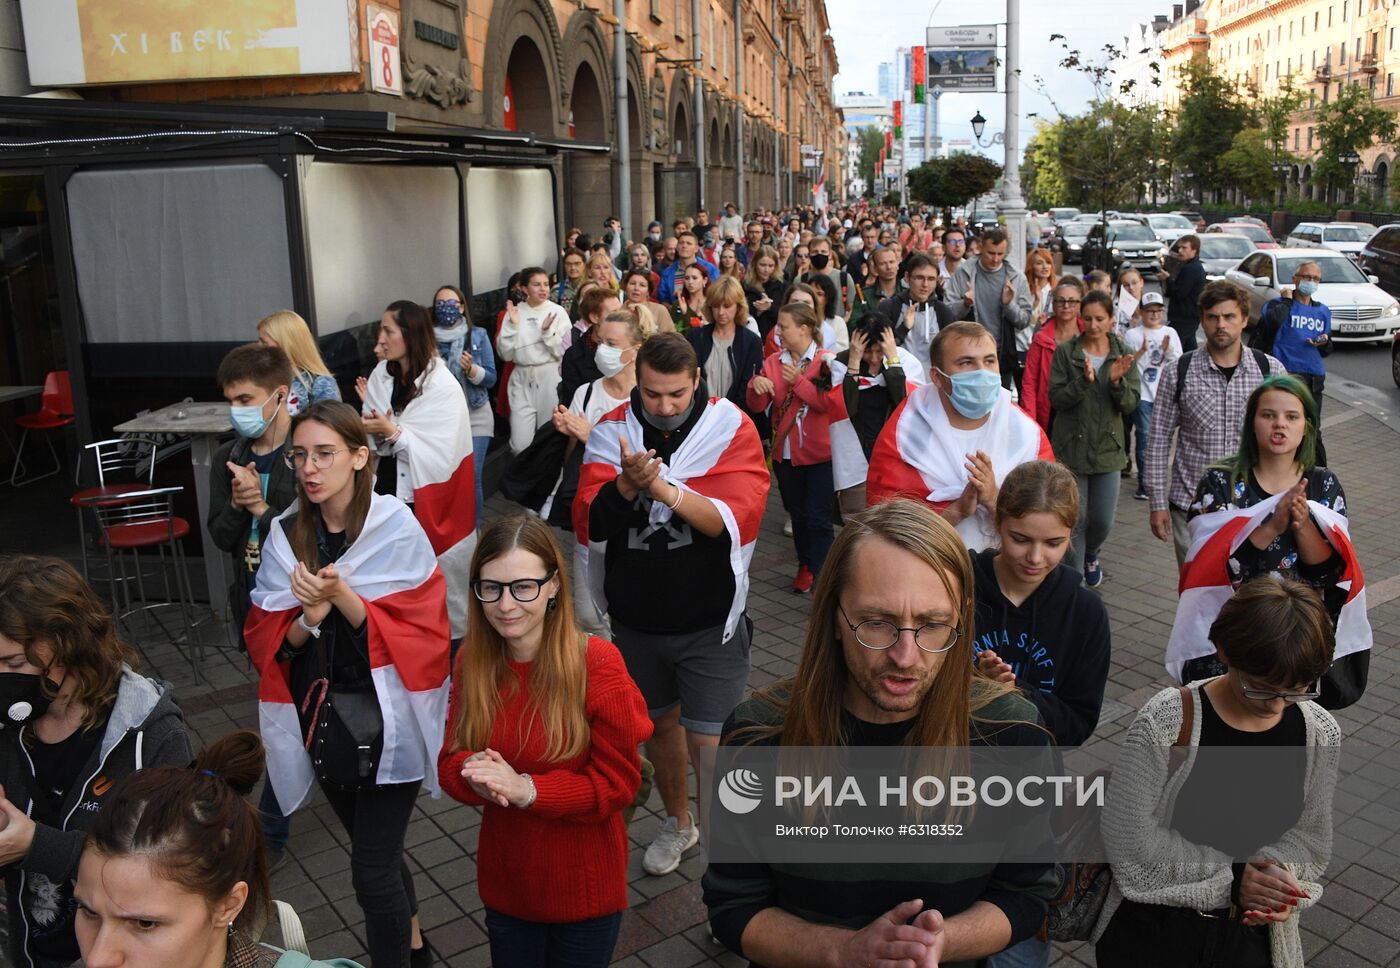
pixel 481 352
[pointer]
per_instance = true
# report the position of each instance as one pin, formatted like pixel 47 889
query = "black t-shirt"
pixel 665 578
pixel 58 769
pixel 1228 371
pixel 1213 807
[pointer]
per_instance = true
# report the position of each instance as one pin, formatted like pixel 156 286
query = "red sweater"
pixel 810 436
pixel 565 858
pixel 1035 383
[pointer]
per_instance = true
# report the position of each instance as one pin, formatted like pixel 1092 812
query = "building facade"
pixel 1316 46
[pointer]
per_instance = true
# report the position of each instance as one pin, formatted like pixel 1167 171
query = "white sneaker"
pixel 787 527
pixel 664 854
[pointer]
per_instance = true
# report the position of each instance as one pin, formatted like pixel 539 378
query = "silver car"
pixel 1362 312
pixel 1221 253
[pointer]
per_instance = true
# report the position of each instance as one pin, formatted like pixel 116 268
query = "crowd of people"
pixel 947 435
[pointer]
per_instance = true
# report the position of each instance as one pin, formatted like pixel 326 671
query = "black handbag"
pixel 346 733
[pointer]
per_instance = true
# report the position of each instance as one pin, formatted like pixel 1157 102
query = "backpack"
pixel 1184 361
pixel 295 938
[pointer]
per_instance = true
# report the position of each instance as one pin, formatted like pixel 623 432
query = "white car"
pixel 1362 312
pixel 1345 237
pixel 1168 227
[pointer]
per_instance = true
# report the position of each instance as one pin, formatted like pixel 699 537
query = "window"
pixel 1310 137
pixel 1342 54
pixel 1297 134
pixel 1392 38
pixel 680 19
pixel 655 11
pixel 1390 85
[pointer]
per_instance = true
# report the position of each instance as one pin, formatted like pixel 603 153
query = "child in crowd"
pixel 1162 351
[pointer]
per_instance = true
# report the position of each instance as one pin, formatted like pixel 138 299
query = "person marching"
pixel 545 724
pixel 350 635
pixel 532 337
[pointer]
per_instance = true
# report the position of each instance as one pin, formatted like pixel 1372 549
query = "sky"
pixel 868 31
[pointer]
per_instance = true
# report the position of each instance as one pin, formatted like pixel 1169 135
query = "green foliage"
pixel 871 141
pixel 1043 177
pixel 1348 124
pixel 1248 165
pixel 953 181
pixel 1211 113
pixel 1275 113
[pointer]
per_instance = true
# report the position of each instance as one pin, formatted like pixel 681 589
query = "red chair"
pixel 55 412
pixel 124 465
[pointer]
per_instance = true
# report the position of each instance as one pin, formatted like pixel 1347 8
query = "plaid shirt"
pixel 243 952
pixel 1207 423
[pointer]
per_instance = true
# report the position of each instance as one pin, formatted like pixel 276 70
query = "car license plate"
pixel 1356 328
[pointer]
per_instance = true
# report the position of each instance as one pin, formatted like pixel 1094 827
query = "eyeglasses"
pixel 879 635
pixel 322 457
pixel 1267 695
pixel 1066 302
pixel 521 589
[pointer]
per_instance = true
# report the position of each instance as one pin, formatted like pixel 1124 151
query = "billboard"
pixel 73 42
pixel 962 68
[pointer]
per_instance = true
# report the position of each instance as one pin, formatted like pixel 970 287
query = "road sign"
pixel 980 36
pixel 810 154
pixel 962 68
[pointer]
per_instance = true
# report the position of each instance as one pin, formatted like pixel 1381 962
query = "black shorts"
pixel 699 670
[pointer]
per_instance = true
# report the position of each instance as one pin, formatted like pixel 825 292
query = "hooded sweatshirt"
pixel 145 728
pixel 1057 641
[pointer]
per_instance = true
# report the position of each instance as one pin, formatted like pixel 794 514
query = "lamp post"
pixel 1351 159
pixel 1281 169
pixel 1012 207
pixel 979 124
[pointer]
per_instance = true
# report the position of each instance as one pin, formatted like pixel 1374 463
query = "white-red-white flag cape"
pixel 436 443
pixel 391 567
pixel 720 459
pixel 1205 580
pixel 848 464
pixel 920 455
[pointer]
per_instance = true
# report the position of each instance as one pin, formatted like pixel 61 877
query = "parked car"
pixel 1381 258
pixel 1063 215
pixel 984 218
pixel 1395 359
pixel 1260 237
pixel 1344 237
pixel 1362 312
pixel 1122 243
pixel 1195 218
pixel 1249 220
pixel 1069 239
pixel 1170 227
pixel 1220 253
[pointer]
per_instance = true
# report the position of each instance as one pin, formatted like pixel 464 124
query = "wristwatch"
pixel 314 630
pixel 893 362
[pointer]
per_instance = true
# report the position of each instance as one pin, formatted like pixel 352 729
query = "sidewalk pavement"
pixel 1357 922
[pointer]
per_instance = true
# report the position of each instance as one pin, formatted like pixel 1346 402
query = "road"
pixel 1360 375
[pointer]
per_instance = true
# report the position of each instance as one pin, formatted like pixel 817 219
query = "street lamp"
pixel 1352 159
pixel 1282 168
pixel 979 124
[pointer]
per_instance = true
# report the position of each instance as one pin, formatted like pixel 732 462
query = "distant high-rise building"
pixel 903 74
pixel 886 87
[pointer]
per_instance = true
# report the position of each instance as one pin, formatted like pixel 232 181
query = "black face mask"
pixel 22 698
pixel 820 260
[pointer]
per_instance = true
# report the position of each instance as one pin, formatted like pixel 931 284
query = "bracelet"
pixel 313 630
pixel 530 800
pixel 394 437
pixel 680 493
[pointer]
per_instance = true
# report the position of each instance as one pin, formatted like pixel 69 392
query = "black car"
pixel 1122 243
pixel 1069 239
pixel 1380 257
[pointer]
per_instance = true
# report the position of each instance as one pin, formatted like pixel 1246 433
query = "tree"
pixel 1210 114
pixel 1247 165
pixel 1043 177
pixel 1348 124
pixel 871 141
pixel 952 181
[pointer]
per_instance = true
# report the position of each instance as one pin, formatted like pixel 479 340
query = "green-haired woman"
pixel 1278 448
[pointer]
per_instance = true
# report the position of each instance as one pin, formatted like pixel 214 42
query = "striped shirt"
pixel 1207 420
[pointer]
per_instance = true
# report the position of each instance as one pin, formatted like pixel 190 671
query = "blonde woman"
pixel 311 381
pixel 600 271
pixel 638 287
pixel 544 727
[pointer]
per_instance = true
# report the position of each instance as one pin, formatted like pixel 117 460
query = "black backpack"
pixel 1260 357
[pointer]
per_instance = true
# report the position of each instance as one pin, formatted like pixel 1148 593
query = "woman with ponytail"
pixel 543 732
pixel 77 717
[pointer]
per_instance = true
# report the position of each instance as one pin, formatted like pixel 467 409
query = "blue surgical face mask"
pixel 250 421
pixel 1307 288
pixel 446 313
pixel 975 392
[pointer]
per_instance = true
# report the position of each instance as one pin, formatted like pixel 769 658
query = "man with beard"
pixel 889 647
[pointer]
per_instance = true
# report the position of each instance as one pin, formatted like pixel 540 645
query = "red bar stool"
pixel 55 413
pixel 124 465
pixel 144 520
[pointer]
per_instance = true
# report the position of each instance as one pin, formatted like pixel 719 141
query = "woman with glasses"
pixel 349 632
pixel 421 431
pixel 1199 883
pixel 1278 444
pixel 543 734
pixel 1063 326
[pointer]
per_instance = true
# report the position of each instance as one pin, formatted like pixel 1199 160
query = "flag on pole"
pixel 899 120
pixel 917 56
pixel 889 142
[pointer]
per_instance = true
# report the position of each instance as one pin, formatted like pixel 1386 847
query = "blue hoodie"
pixel 1057 641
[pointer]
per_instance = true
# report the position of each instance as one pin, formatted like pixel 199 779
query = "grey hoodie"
pixel 145 728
